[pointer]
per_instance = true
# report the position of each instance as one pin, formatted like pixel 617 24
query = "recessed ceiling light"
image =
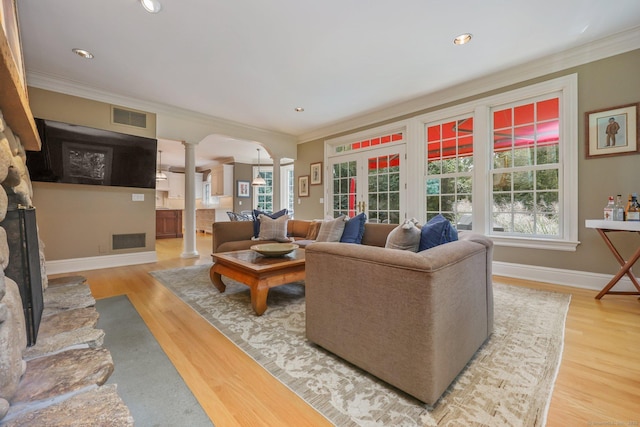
pixel 151 6
pixel 299 109
pixel 83 53
pixel 462 39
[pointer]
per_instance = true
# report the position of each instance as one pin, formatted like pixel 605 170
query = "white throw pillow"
pixel 273 229
pixel 331 230
pixel 406 236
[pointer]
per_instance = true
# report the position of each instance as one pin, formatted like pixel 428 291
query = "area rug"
pixel 508 383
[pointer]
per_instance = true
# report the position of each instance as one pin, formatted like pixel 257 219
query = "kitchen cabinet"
pixel 163 184
pixel 206 217
pixel 176 185
pixel 168 223
pixel 222 180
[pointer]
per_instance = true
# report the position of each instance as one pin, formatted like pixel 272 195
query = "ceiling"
pixel 254 61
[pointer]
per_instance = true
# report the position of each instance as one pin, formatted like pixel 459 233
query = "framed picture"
pixel 244 188
pixel 612 131
pixel 316 173
pixel 303 186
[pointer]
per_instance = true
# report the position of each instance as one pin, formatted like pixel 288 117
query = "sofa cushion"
pixel 436 231
pixel 354 229
pixel 331 230
pixel 314 228
pixel 405 236
pixel 273 229
pixel 256 222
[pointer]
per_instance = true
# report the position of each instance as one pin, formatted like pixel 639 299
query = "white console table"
pixel 603 227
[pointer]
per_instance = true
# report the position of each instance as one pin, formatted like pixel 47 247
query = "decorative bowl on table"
pixel 274 249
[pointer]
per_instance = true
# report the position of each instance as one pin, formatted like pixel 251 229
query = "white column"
pixel 276 184
pixel 189 238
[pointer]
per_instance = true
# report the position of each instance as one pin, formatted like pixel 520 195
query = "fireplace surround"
pixel 24 264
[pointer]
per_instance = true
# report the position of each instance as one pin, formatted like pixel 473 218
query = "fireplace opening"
pixel 24 265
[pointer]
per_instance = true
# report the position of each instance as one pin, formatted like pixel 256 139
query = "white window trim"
pixel 568 86
pixel 480 110
pixel 254 194
pixel 284 186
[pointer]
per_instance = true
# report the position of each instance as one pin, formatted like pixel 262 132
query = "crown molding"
pixel 69 87
pixel 609 46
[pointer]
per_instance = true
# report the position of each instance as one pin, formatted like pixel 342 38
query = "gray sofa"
pixel 411 319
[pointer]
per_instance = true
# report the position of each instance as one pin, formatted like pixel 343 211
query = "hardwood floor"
pixel 598 382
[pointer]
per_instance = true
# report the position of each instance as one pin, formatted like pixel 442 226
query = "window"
pixel 506 165
pixel 263 194
pixel 449 183
pixel 525 171
pixel 287 195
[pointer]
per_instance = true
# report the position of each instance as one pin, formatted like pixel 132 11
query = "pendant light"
pixel 258 180
pixel 160 176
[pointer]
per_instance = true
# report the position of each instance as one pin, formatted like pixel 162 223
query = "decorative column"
pixel 189 238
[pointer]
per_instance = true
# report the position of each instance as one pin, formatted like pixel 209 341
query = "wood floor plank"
pixel 598 381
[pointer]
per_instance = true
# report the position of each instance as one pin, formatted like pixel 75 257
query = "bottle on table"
pixel 618 210
pixel 633 214
pixel 608 210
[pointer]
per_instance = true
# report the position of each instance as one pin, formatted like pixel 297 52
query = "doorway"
pixel 370 181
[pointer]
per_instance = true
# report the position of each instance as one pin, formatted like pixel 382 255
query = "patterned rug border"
pixel 446 411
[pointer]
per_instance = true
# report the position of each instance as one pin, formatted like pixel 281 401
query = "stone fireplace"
pixel 52 364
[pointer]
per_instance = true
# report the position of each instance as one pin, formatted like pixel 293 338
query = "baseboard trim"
pixel 96 262
pixel 558 276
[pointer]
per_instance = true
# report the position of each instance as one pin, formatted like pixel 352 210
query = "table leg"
pixel 621 260
pixel 216 279
pixel 626 269
pixel 259 293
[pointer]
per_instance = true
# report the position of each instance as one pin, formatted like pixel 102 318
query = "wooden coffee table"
pixel 258 272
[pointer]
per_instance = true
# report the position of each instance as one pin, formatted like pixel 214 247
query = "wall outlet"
pixel 240 202
pixel 321 200
pixel 137 197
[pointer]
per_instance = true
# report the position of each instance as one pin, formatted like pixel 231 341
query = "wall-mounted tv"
pixel 75 154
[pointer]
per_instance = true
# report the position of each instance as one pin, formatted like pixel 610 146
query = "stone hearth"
pixel 61 377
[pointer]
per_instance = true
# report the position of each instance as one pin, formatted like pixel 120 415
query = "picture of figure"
pixel 612 129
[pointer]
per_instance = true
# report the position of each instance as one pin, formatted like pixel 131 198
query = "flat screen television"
pixel 75 154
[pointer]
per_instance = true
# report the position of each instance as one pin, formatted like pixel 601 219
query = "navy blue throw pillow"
pixel 436 231
pixel 256 219
pixel 354 229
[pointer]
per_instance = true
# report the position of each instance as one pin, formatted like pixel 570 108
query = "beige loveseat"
pixel 411 319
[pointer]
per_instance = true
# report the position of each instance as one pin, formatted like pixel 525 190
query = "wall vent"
pixel 129 241
pixel 122 116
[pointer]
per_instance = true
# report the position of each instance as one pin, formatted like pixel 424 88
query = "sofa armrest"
pixel 230 231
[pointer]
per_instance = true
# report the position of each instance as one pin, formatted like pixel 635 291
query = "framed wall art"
pixel 316 173
pixel 243 188
pixel 612 131
pixel 303 186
